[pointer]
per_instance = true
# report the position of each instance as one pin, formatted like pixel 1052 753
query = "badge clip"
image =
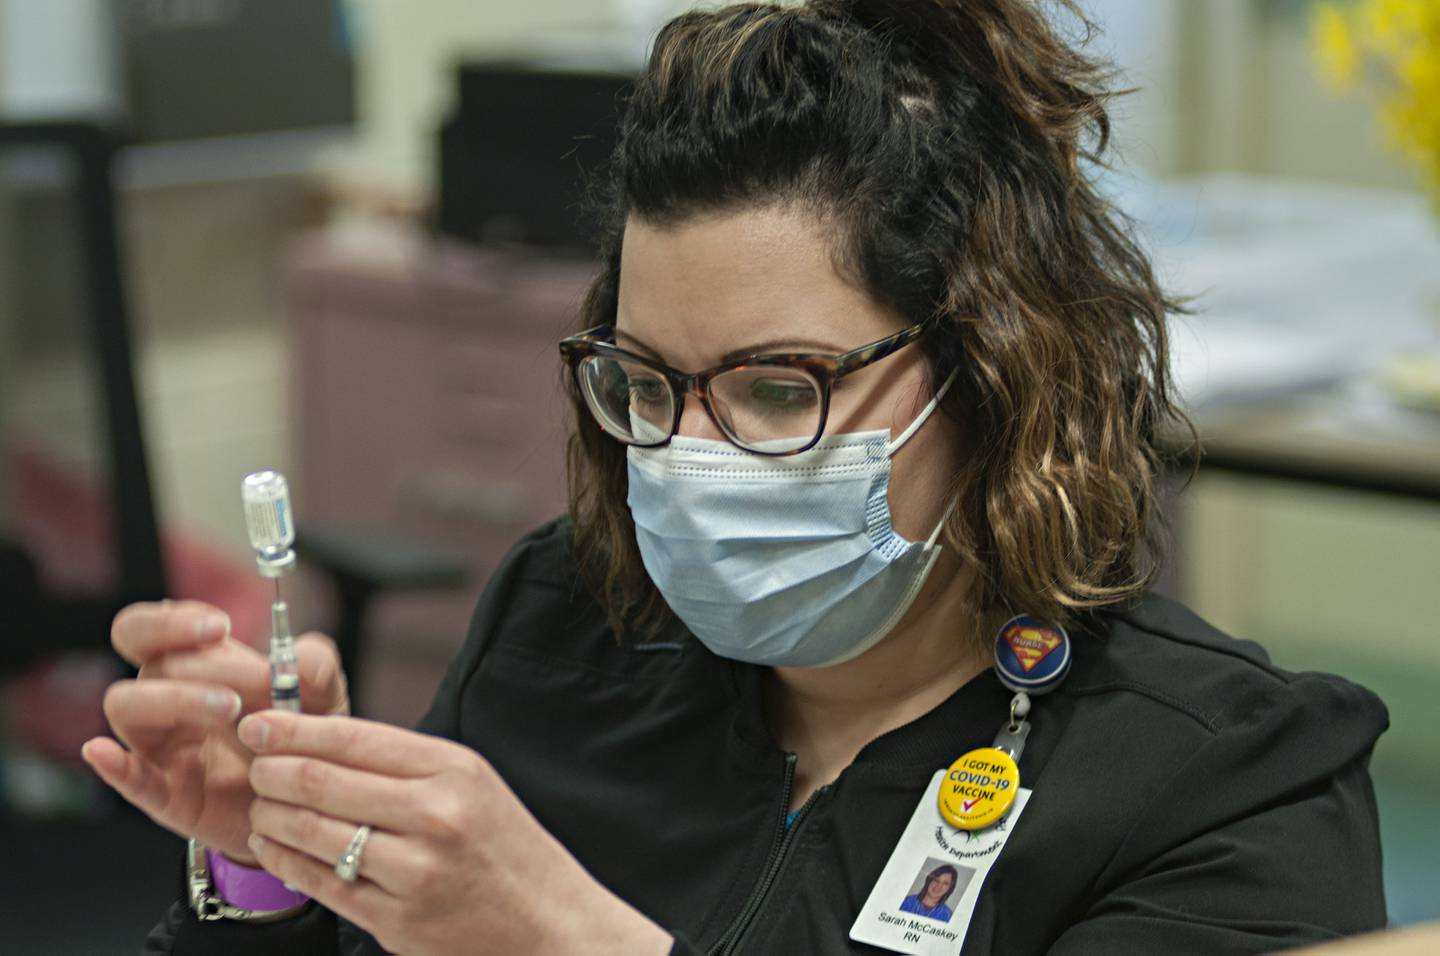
pixel 1013 734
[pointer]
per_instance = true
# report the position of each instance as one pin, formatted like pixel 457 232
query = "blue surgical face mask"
pixel 784 561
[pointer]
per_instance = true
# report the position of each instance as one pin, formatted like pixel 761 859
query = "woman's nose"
pixel 696 423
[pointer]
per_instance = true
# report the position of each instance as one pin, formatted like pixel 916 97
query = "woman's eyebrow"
pixel 771 346
pixel 759 348
pixel 638 343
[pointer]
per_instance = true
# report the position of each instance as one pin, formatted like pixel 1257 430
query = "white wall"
pixel 57 58
pixel 1254 101
pixel 1142 37
pixel 1225 84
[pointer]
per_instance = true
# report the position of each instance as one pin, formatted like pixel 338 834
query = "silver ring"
pixel 348 866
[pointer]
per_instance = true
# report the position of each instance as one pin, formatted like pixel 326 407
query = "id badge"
pixel 926 895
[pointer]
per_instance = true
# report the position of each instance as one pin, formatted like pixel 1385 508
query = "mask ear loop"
pixel 905 436
pixel 930 550
pixel 935 535
pixel 920 419
pixel 911 429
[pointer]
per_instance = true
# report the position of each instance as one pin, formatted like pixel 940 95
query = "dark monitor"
pixel 233 67
pixel 514 152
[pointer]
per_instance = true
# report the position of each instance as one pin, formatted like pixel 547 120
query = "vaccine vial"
pixel 268 520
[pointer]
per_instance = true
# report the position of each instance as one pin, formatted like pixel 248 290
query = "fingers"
pixel 353 795
pixel 143 712
pixel 323 688
pixel 227 664
pixel 363 744
pixel 385 861
pixel 143 631
pixel 362 902
pixel 133 778
pixel 247 671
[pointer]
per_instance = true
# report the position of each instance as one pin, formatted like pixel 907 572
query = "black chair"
pixel 41 623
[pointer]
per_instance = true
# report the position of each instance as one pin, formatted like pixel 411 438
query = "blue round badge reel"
pixel 1031 656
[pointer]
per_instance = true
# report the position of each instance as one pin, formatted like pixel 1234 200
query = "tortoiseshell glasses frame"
pixel 585 350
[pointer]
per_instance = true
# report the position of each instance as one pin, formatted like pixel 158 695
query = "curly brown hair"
pixel 944 144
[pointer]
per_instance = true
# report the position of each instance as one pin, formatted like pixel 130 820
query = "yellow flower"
pixel 1391 25
pixel 1335 45
pixel 1392 47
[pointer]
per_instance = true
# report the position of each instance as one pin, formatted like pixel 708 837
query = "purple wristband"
pixel 249 888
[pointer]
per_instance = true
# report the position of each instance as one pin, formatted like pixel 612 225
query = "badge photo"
pixel 926 895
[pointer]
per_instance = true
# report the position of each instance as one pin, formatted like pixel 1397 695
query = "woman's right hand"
pixel 184 766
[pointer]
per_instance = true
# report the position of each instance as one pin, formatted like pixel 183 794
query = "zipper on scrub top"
pixel 779 849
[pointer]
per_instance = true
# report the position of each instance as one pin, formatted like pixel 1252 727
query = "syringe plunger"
pixel 284 669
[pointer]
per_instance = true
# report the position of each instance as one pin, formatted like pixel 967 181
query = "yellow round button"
pixel 979 788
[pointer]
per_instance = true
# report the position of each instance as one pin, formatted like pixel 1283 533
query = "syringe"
pixel 272 531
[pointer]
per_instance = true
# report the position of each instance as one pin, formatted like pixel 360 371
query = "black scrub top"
pixel 1189 797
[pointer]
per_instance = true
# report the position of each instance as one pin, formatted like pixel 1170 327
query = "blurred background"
pixel 337 238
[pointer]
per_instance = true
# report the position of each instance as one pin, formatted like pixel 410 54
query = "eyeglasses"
pixel 767 404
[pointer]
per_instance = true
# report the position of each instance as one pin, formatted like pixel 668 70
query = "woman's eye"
pixel 782 395
pixel 647 389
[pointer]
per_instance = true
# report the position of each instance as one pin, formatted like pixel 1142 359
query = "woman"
pixel 704 711
pixel 930 901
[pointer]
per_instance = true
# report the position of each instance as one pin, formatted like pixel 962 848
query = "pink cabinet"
pixel 429 401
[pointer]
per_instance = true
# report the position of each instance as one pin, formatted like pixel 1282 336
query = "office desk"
pixel 1301 292
pixel 1415 941
pixel 1326 439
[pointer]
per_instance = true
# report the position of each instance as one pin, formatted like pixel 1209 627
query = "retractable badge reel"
pixel 1031 659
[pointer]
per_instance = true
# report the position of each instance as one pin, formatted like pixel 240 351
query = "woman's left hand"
pixel 454 861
